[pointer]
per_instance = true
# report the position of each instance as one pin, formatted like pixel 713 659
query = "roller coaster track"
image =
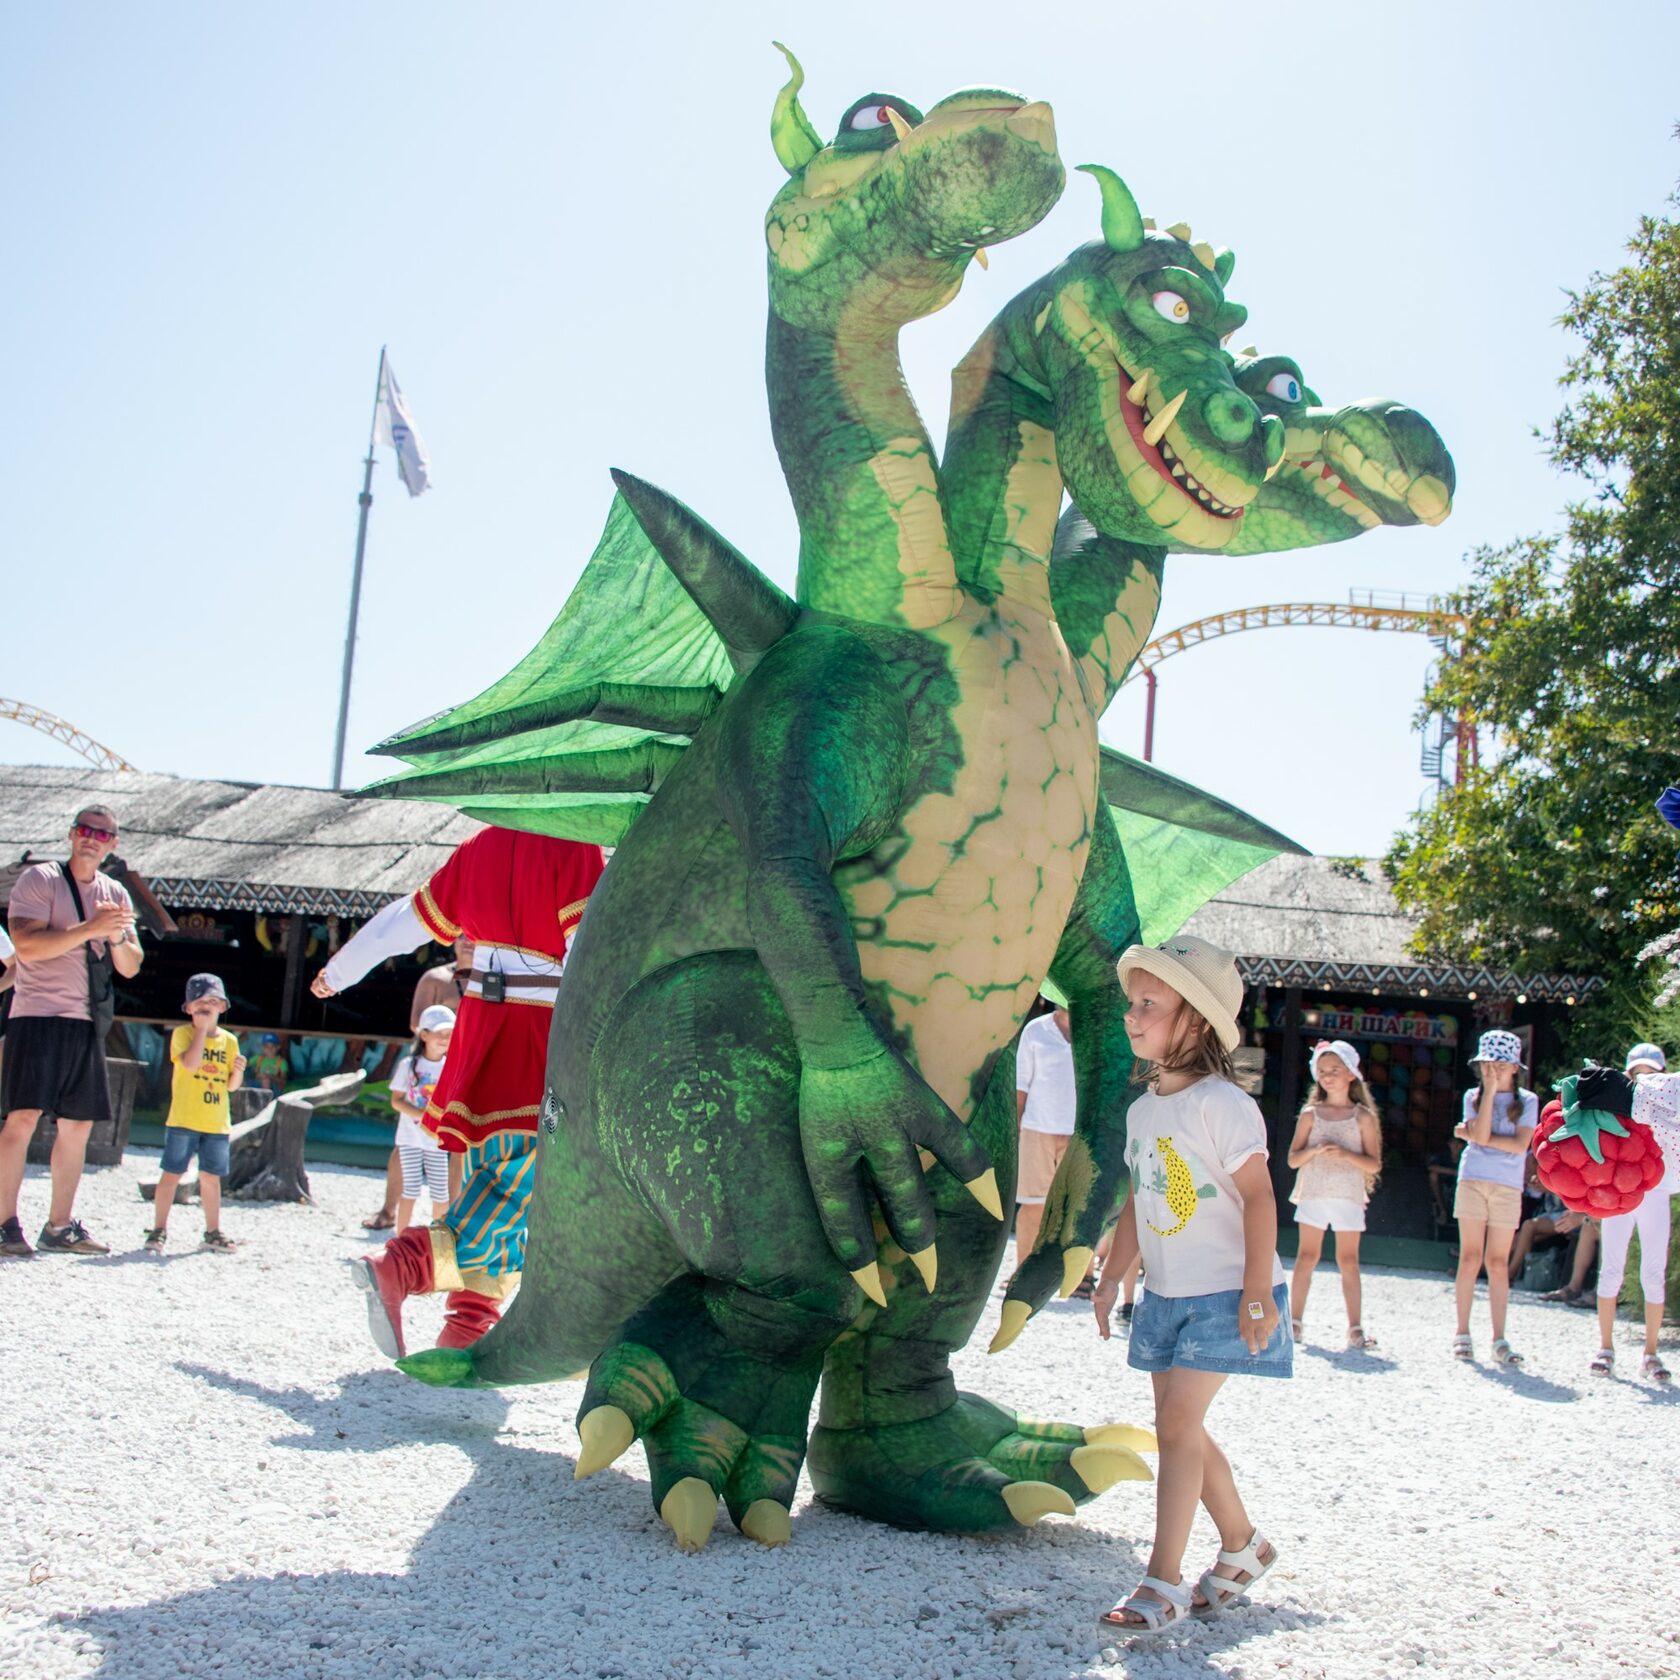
pixel 20 711
pixel 1419 615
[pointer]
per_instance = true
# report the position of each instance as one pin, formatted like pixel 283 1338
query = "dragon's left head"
pixel 881 223
pixel 1165 437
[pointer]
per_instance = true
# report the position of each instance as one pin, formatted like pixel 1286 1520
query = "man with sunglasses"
pixel 68 922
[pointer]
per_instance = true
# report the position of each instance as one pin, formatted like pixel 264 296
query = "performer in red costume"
pixel 517 897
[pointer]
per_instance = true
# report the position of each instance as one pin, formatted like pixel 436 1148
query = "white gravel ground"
pixel 207 1469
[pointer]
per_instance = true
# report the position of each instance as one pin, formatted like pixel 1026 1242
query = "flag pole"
pixel 364 502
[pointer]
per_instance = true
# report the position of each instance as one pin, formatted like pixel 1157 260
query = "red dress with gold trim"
pixel 517 897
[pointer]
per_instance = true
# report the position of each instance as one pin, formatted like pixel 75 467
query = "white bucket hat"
pixel 1498 1046
pixel 1203 974
pixel 1341 1050
pixel 1647 1055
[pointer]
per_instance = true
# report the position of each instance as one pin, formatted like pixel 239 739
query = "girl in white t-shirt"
pixel 1337 1153
pixel 1203 1216
pixel 416 1077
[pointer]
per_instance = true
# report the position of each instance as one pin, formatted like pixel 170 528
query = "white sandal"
pixel 1505 1354
pixel 1651 1366
pixel 1603 1362
pixel 1463 1348
pixel 1158 1614
pixel 1359 1341
pixel 1219 1590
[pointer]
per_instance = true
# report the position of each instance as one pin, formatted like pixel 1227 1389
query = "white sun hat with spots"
pixel 1498 1046
pixel 1202 973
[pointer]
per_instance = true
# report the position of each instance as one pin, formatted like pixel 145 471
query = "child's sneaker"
pixel 155 1239
pixel 217 1243
pixel 69 1239
pixel 13 1243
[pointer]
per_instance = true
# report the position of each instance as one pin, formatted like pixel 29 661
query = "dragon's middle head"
pixel 880 224
pixel 1157 441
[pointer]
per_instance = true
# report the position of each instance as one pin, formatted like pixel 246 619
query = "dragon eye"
pixel 1285 387
pixel 1171 306
pixel 871 116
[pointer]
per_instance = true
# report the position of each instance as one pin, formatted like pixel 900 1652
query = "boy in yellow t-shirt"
pixel 207 1066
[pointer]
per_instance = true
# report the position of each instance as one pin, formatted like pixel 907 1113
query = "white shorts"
pixel 1331 1213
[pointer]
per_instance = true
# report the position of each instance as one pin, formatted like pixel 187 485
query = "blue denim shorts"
pixel 1199 1333
pixel 180 1145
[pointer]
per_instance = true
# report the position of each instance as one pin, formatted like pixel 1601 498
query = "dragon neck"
pixel 1003 489
pixel 862 474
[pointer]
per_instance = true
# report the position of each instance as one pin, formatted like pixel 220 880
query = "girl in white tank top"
pixel 1337 1153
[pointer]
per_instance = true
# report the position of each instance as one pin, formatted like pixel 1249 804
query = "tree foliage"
pixel 1549 857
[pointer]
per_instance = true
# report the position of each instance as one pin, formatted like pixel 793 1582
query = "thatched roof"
pixel 238 845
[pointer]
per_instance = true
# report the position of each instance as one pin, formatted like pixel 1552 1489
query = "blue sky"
pixel 216 214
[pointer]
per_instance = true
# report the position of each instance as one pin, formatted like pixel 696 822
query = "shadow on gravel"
pixel 526 1572
pixel 1355 1360
pixel 1186 1651
pixel 1527 1384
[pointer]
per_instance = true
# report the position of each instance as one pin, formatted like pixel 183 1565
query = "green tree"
pixel 1549 857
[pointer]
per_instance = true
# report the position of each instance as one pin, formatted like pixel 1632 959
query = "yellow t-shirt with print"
pixel 198 1099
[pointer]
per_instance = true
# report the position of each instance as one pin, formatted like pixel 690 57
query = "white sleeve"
pixel 1656 1102
pixel 7 950
pixel 1235 1124
pixel 1471 1104
pixel 402 1077
pixel 1024 1066
pixel 394 932
pixel 1530 1111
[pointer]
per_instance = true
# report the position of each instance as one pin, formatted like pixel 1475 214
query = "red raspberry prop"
pixel 1596 1163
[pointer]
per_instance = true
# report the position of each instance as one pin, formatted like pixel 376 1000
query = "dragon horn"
pixel 1122 224
pixel 791 133
pixel 746 609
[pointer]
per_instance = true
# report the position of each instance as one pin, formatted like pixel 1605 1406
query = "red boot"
pixel 466 1316
pixel 404 1268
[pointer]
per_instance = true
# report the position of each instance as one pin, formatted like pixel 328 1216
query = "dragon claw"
pixel 1029 1501
pixel 689 1510
pixel 927 1266
pixel 1015 1316
pixel 984 1190
pixel 1099 1468
pixel 603 1434
pixel 1076 1262
pixel 767 1522
pixel 1132 1436
pixel 868 1279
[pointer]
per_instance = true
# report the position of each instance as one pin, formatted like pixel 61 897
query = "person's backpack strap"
pixel 102 1003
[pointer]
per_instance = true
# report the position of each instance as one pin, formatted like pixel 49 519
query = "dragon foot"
pixel 973 1467
pixel 717 1422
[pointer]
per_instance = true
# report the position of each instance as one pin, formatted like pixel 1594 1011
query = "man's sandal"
pixel 1505 1354
pixel 1219 1590
pixel 1651 1366
pixel 1603 1363
pixel 1462 1348
pixel 381 1221
pixel 1359 1341
pixel 1295 1329
pixel 1159 1614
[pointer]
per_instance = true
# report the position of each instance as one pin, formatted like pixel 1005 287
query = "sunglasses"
pixel 88 832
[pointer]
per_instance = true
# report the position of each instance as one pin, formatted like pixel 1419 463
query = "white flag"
pixel 395 426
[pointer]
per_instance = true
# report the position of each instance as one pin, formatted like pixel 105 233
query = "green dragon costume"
pixel 857 830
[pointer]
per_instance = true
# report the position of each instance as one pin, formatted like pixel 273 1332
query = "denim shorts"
pixel 1199 1333
pixel 180 1144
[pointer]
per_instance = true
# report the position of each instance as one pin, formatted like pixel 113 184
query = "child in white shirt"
pixel 412 1085
pixel 1204 1217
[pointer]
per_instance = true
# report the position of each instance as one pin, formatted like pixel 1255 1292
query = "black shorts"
pixel 54 1065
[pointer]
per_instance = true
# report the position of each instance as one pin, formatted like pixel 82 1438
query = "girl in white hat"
pixel 1337 1154
pixel 424 1164
pixel 1498 1125
pixel 1203 1215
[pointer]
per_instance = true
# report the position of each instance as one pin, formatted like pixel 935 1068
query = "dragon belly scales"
pixel 858 828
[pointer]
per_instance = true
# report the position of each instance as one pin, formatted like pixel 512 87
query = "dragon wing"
pixel 574 740
pixel 1183 846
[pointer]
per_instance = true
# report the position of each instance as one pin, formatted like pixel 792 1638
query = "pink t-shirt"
pixel 58 986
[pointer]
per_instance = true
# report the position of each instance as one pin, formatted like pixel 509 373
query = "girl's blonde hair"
pixel 1197 1053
